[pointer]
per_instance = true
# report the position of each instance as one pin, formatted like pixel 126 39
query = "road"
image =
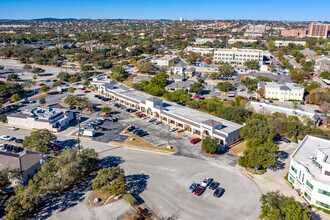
pixel 162 181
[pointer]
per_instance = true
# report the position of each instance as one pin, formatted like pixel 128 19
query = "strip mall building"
pixel 196 122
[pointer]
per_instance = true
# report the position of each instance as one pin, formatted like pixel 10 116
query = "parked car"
pixel 195 140
pixel 173 129
pixel 41 84
pixel 285 140
pixel 141 115
pixel 107 115
pixel 19 140
pixel 192 187
pixel 217 192
pixel 214 185
pixel 12 128
pixel 206 182
pixel 158 122
pixel 199 190
pixel 131 128
pixel 83 88
pixel 143 133
pixel 151 119
pixel 6 138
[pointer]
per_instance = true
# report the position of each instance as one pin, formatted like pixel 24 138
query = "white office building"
pixel 284 43
pixel 202 51
pixel 165 60
pixel 243 40
pixel 196 122
pixel 282 92
pixel 309 171
pixel 237 56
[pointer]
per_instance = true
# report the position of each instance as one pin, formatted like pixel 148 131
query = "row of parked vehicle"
pixel 149 119
pixel 12 148
pixel 199 189
pixel 137 131
pixel 10 108
pixel 9 138
pixel 102 98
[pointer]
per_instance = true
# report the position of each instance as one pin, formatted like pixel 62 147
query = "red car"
pixel 195 140
pixel 107 115
pixel 3 77
pixel 83 88
pixel 197 97
pixel 199 190
pixel 141 115
pixel 41 84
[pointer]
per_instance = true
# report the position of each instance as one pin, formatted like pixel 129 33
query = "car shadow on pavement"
pixel 137 183
pixel 111 161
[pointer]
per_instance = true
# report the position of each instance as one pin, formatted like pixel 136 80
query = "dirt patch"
pixel 102 196
pixel 239 148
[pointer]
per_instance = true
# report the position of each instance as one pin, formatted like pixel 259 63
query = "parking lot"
pixel 158 135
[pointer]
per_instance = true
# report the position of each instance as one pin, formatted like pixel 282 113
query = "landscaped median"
pixel 136 142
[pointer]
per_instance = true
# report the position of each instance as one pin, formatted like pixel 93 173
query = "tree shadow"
pixel 70 143
pixel 137 183
pixel 62 201
pixel 315 215
pixel 175 216
pixel 279 164
pixel 111 161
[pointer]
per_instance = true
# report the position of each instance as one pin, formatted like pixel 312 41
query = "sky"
pixel 292 10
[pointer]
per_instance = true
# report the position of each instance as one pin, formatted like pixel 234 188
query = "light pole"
pixel 79 132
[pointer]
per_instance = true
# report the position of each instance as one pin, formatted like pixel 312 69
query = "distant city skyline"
pixel 292 10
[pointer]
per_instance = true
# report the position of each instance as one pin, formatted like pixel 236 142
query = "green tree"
pixel 37 71
pixel 87 83
pixel 196 87
pixel 325 75
pixel 12 77
pixel 86 68
pixel 85 75
pixel 258 128
pixel 63 76
pixel 71 90
pixel 57 83
pixel 3 118
pixel 225 69
pixel 44 88
pixel 118 73
pixel 312 86
pixel 271 44
pixel 39 140
pixel 4 178
pixel 28 83
pixel 42 101
pixel 34 77
pixel 106 109
pixel 276 206
pixel 224 86
pixel 27 67
pixel 15 98
pixel 111 180
pixel 160 79
pixel 210 145
pixel 251 64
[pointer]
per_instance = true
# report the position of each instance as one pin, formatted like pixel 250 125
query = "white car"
pixel 173 129
pixel 206 182
pixel 2 146
pixel 6 138
pixel 12 128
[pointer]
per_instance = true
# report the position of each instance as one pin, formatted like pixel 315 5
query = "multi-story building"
pixel 53 119
pixel 309 171
pixel 284 43
pixel 319 30
pixel 248 41
pixel 282 92
pixel 202 51
pixel 202 41
pixel 165 60
pixel 196 122
pixel 237 56
pixel 294 33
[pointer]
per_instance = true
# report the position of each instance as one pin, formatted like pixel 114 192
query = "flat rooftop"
pixel 308 148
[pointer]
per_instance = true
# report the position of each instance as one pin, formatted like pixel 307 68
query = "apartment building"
pixel 319 30
pixel 282 91
pixel 294 33
pixel 284 43
pixel 237 56
pixel 196 122
pixel 309 171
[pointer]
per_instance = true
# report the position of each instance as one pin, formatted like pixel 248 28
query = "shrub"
pixel 130 199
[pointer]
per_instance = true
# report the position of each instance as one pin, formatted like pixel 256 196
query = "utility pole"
pixel 79 132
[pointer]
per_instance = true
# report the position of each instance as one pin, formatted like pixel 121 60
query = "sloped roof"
pixel 211 122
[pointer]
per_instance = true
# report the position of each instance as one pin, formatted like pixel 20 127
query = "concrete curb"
pixel 139 148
